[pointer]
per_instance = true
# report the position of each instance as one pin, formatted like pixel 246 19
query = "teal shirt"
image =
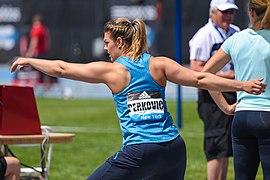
pixel 141 106
pixel 250 53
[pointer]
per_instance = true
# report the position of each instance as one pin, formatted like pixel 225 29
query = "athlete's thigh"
pixel 245 147
pixel 122 165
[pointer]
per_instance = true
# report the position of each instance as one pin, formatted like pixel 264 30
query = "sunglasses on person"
pixel 228 11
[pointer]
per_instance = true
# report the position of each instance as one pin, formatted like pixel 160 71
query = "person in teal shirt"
pixel 152 147
pixel 250 53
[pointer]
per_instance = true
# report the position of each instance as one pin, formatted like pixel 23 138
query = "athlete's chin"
pixel 113 58
pixel 110 57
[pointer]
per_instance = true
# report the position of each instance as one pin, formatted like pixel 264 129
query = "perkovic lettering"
pixel 141 106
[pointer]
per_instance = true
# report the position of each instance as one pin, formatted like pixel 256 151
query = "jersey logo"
pixel 144 95
pixel 145 106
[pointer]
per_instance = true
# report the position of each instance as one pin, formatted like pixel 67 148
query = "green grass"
pixel 100 138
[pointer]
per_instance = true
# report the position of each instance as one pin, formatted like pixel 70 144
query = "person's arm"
pixel 184 76
pixel 228 74
pixel 216 62
pixel 222 103
pixel 95 72
pixel 197 65
pixel 32 46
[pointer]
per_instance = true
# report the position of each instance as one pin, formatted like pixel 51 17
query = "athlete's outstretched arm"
pixel 96 72
pixel 184 76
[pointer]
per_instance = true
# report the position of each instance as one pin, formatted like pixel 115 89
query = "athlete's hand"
pixel 18 64
pixel 254 86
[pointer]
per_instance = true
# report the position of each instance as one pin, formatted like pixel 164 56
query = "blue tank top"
pixel 141 106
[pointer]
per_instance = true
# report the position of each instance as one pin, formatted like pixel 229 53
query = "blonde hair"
pixel 262 9
pixel 212 10
pixel 133 33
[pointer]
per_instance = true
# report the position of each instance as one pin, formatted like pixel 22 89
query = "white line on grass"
pixel 85 129
pixel 111 131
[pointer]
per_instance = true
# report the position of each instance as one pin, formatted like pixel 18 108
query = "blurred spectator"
pixel 217 125
pixel 39 38
pixel 38 48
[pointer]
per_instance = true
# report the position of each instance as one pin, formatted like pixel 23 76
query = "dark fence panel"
pixel 71 24
pixel 76 26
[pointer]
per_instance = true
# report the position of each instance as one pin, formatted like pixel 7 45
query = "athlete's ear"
pixel 251 12
pixel 119 42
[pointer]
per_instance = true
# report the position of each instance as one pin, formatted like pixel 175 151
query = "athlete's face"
pixel 223 19
pixel 113 46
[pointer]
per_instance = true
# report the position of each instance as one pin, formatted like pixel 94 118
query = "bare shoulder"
pixel 106 67
pixel 158 62
pixel 162 59
pixel 118 68
pixel 159 58
pixel 118 78
pixel 157 66
pixel 162 62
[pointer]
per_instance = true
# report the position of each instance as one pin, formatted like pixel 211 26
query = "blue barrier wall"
pixel 75 89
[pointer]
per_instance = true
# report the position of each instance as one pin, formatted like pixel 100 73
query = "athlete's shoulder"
pixel 160 58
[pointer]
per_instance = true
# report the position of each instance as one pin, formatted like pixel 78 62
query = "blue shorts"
pixel 155 161
pixel 3 167
pixel 251 144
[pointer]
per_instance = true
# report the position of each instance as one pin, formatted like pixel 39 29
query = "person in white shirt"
pixel 217 125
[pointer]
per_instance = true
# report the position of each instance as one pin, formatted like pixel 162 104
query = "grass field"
pixel 98 136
